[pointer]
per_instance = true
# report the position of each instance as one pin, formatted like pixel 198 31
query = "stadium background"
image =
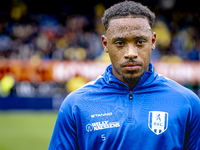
pixel 48 48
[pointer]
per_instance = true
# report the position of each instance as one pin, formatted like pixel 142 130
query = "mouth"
pixel 131 66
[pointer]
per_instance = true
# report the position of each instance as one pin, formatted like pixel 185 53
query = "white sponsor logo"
pixel 101 125
pixel 101 115
pixel 158 121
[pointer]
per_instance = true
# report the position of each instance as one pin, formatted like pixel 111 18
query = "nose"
pixel 131 52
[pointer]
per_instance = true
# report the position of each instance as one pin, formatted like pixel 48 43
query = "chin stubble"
pixel 133 81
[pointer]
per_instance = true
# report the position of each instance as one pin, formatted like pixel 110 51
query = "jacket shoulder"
pixel 74 97
pixel 175 87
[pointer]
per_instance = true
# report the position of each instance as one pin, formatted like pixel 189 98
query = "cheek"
pixel 115 54
pixel 113 57
pixel 146 56
pixel 116 57
pixel 146 53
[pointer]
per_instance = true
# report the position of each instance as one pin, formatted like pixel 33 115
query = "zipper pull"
pixel 130 95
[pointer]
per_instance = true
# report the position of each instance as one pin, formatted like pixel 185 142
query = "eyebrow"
pixel 118 38
pixel 141 37
pixel 135 38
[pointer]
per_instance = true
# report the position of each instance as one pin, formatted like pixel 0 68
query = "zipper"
pixel 130 106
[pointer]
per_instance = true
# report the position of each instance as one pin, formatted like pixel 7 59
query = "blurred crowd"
pixel 45 36
pixel 26 36
pixel 73 36
pixel 179 38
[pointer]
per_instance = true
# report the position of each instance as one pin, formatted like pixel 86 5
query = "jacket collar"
pixel 147 78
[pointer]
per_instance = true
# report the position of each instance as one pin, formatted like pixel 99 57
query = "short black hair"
pixel 127 8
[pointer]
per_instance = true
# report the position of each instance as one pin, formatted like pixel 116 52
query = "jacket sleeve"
pixel 192 136
pixel 65 134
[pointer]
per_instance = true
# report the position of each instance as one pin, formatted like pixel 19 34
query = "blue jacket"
pixel 159 114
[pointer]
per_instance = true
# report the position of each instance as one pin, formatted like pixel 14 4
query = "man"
pixel 130 106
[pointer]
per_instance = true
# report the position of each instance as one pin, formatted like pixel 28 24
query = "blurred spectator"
pixel 18 10
pixel 75 83
pixel 6 84
pixel 163 36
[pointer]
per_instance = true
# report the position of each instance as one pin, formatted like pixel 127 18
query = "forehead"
pixel 128 27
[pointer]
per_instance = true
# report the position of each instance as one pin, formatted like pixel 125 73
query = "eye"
pixel 140 42
pixel 119 43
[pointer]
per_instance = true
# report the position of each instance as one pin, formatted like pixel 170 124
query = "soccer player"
pixel 130 106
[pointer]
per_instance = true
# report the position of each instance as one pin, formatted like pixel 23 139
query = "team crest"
pixel 158 121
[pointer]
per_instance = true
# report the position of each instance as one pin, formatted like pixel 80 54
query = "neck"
pixel 132 82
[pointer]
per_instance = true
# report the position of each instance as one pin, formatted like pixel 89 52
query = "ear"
pixel 153 41
pixel 105 43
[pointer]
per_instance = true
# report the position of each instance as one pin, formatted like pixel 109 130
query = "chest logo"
pixel 158 121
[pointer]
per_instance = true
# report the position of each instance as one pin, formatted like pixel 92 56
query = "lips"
pixel 131 66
